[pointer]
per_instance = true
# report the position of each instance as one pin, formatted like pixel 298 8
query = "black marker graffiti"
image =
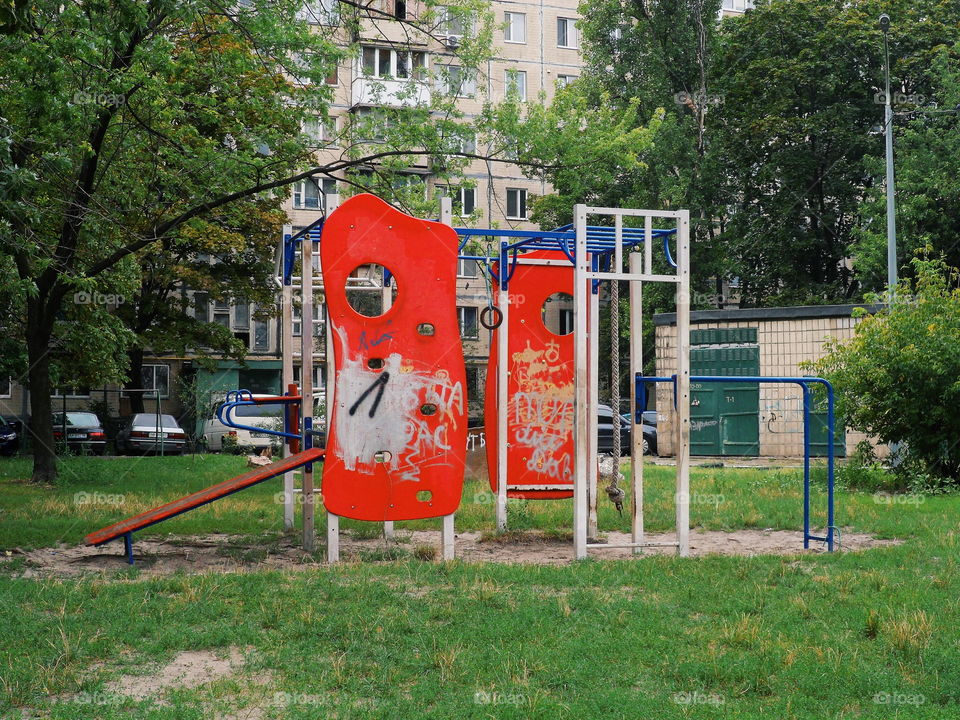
pixel 379 384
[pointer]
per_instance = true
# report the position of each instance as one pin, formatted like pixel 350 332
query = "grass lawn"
pixel 858 635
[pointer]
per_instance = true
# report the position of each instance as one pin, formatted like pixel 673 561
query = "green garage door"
pixel 725 418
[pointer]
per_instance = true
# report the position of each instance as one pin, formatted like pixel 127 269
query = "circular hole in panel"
pixel 382 456
pixel 428 409
pixel 424 495
pixel 364 289
pixel 557 313
pixel 375 363
pixel 425 329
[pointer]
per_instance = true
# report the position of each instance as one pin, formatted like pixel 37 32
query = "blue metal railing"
pixel 640 391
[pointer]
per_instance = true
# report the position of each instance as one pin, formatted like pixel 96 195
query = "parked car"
pixel 80 431
pixel 9 436
pixel 269 416
pixel 605 433
pixel 142 433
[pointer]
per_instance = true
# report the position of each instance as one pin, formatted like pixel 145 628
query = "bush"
pixel 898 378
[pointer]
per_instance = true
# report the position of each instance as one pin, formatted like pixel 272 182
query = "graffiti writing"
pixel 379 385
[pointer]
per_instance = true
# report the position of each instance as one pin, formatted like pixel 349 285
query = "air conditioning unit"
pixel 452 42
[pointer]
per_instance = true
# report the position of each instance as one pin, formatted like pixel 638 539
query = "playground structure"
pixel 396 426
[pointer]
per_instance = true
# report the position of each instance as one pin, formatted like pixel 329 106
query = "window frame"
pixel 521 193
pixel 461 321
pixel 153 384
pixel 515 78
pixel 508 32
pixel 300 187
pixel 570 29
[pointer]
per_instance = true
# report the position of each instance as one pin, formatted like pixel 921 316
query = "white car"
pixel 268 416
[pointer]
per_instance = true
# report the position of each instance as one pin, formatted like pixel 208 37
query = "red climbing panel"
pixel 398 435
pixel 539 387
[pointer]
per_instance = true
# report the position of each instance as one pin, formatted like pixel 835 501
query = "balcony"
pixel 389 93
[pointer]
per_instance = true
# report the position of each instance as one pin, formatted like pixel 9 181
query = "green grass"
pixel 727 637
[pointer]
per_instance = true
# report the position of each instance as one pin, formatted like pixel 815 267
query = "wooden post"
pixel 636 367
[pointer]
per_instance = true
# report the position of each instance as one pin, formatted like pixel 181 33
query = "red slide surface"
pixel 202 497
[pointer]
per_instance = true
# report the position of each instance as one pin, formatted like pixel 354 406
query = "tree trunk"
pixel 40 332
pixel 136 380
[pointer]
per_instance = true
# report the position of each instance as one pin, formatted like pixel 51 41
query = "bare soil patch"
pixel 229 553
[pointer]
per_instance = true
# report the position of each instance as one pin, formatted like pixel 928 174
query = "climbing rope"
pixel 614 491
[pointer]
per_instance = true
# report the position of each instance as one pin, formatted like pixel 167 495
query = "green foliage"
pixel 927 165
pixel 898 378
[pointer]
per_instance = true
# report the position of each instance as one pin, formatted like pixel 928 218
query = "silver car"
pixel 142 433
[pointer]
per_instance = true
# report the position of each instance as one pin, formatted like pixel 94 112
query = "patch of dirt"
pixel 188 670
pixel 228 553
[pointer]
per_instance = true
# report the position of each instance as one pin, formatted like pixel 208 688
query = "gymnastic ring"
pixel 491 310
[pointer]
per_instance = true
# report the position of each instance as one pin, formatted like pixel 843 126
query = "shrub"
pixel 898 378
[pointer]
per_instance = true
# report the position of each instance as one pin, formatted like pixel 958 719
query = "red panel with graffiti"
pixel 398 431
pixel 540 385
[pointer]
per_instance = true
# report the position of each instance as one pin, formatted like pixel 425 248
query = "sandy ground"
pixel 226 553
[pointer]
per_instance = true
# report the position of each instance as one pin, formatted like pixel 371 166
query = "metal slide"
pixel 126 528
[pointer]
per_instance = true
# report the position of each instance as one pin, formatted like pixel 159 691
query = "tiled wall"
pixel 784 344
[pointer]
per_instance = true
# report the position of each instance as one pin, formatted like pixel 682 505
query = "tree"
pixel 898 378
pixel 134 124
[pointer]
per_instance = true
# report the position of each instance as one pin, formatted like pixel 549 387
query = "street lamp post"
pixel 891 190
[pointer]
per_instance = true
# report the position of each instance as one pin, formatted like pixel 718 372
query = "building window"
pixel 261 335
pixel 319 12
pixel 309 194
pixel 455 24
pixel 468 143
pixel 320 133
pixel 457 81
pixel 5 385
pixel 467 268
pixel 462 199
pixel 567 33
pixel 381 62
pixel 372 124
pixel 317 320
pixel 737 5
pixel 566 321
pixel 515 81
pixel 241 316
pixel 469 327
pixel 516 27
pixel 516 204
pixel 319 375
pixel 564 80
pixel 156 377
pixel 221 313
